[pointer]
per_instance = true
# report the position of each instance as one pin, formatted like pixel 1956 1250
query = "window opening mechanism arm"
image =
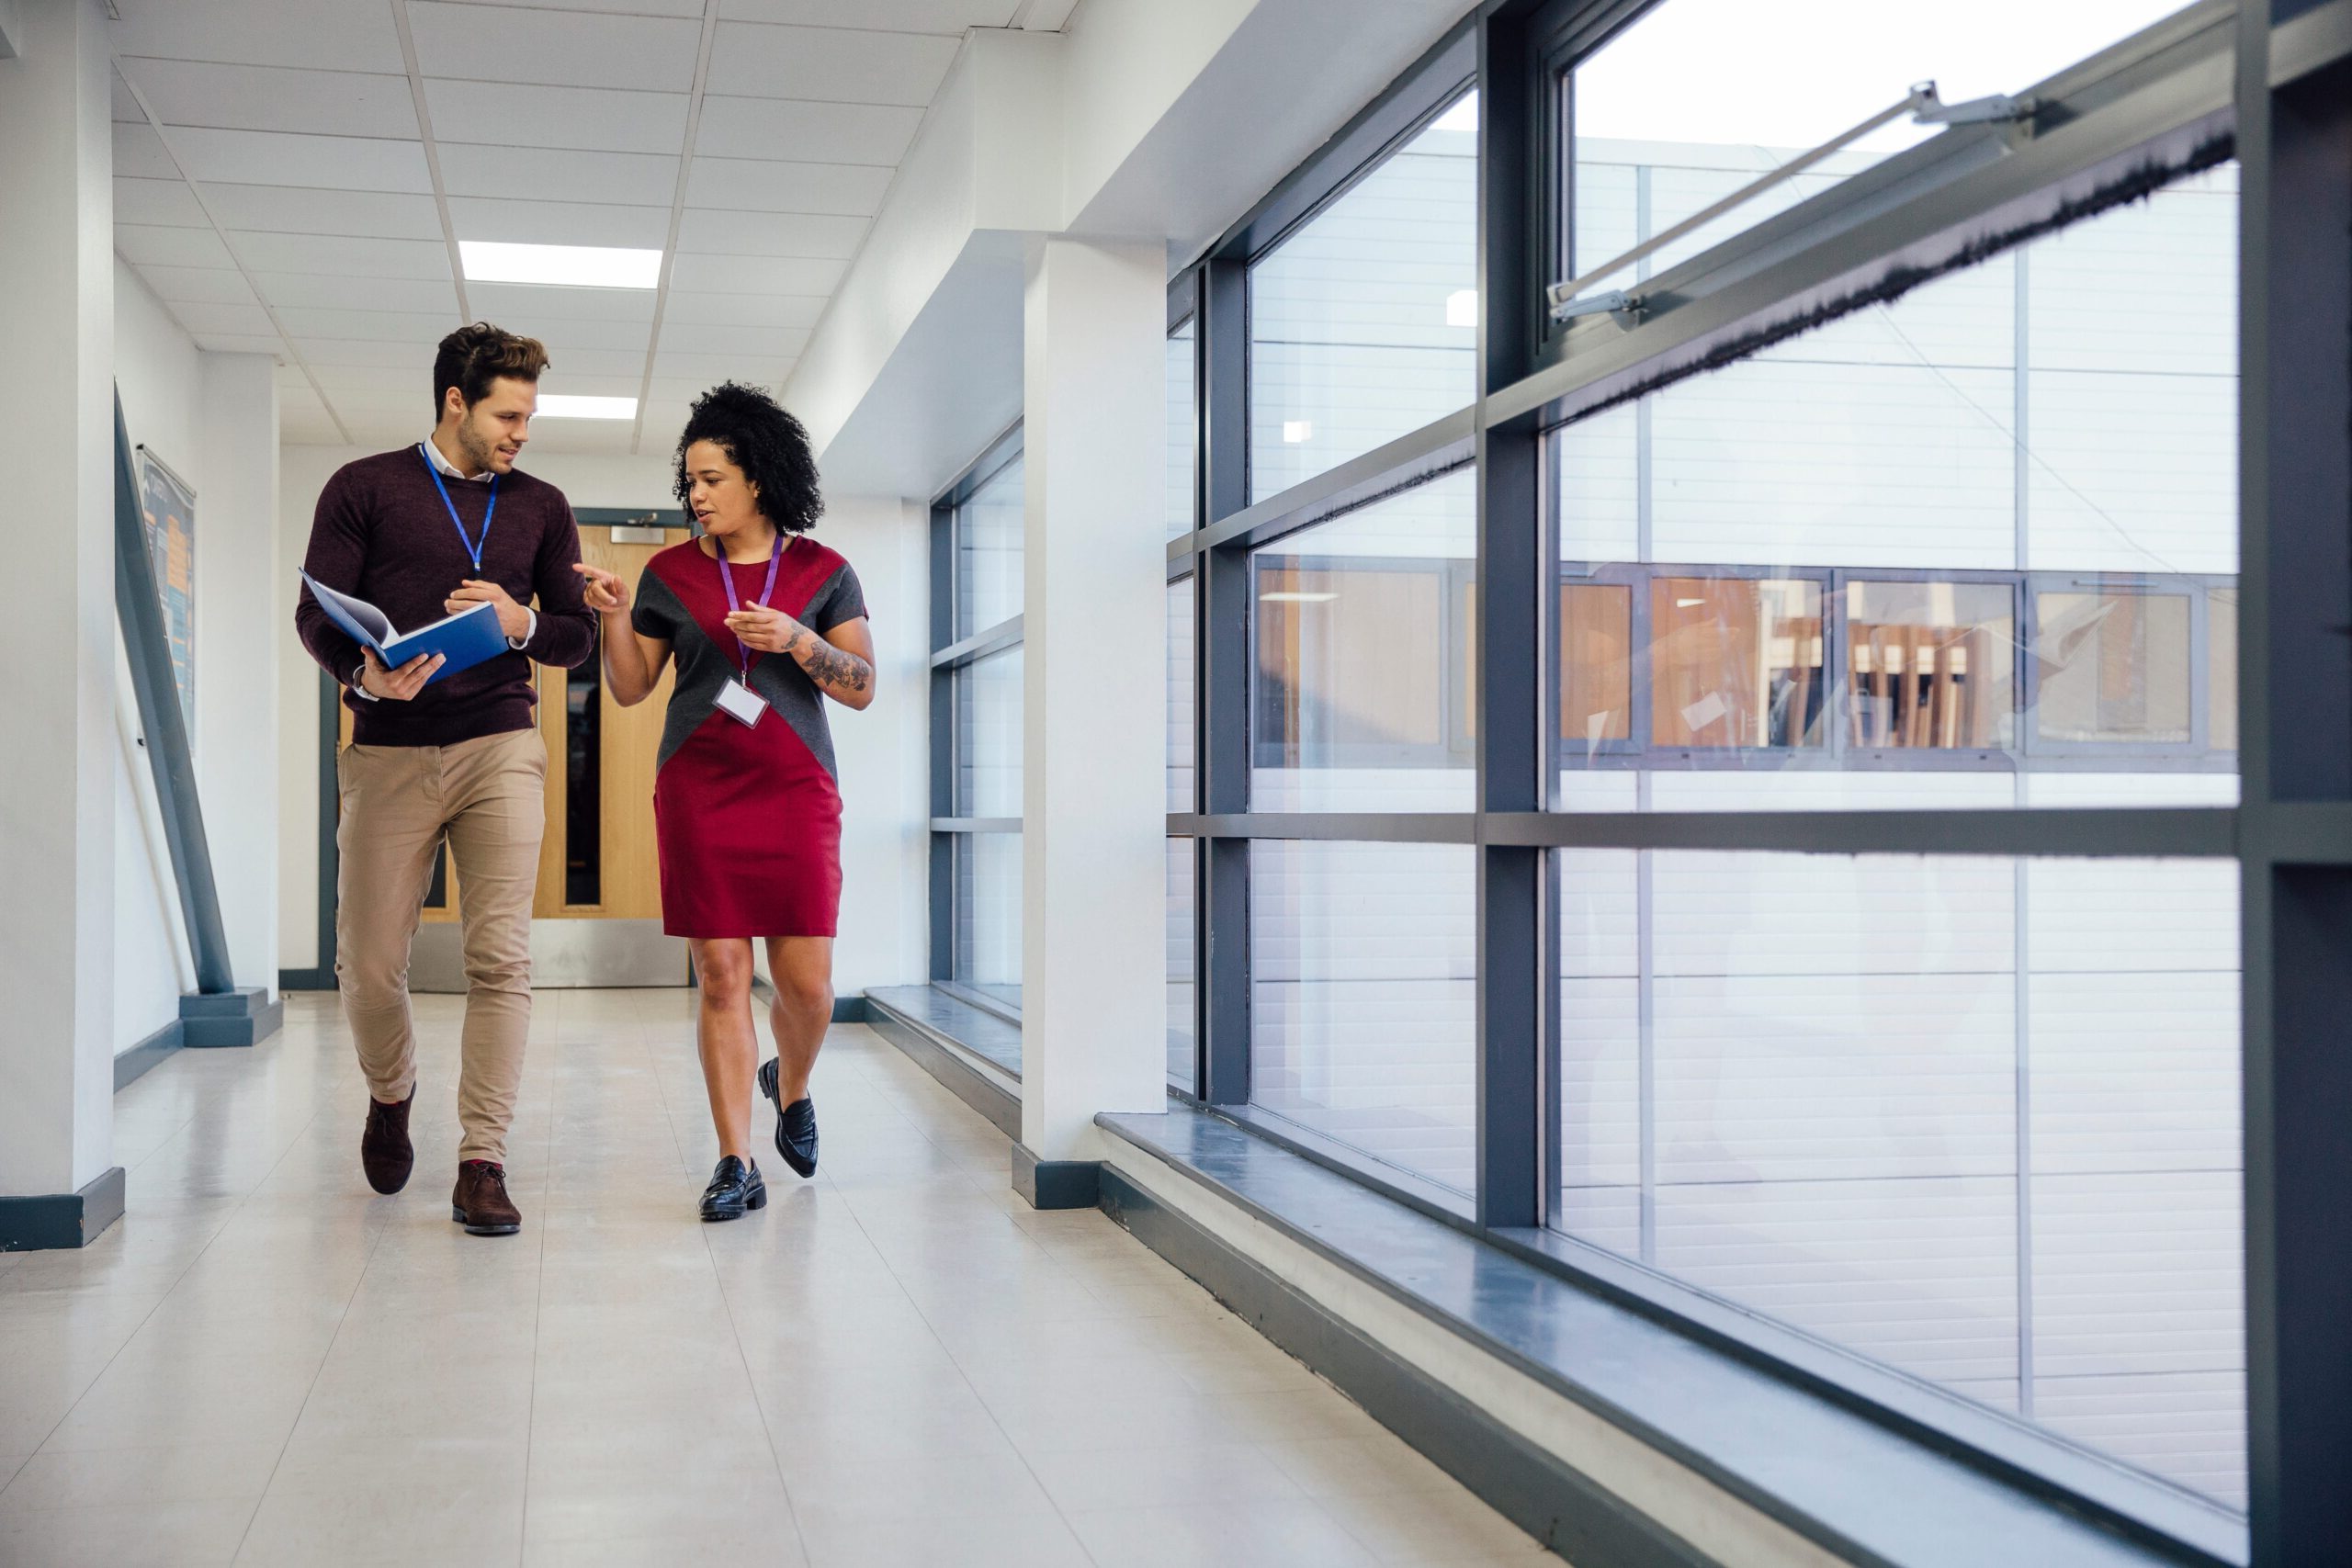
pixel 1921 103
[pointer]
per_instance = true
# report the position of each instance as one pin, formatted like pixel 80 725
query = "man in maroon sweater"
pixel 423 533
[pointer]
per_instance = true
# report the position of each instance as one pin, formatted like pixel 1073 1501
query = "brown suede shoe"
pixel 384 1151
pixel 480 1203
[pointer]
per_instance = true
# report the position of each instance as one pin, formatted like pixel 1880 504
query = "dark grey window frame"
pixel 2271 85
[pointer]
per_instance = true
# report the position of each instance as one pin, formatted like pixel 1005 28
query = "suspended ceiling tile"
pixel 269 97
pixel 293 209
pixel 949 16
pixel 157 201
pixel 679 392
pixel 582 119
pixel 732 233
pixel 281 158
pixel 559 49
pixel 829 65
pixel 421 327
pixel 331 291
pixel 342 254
pixel 238 343
pixel 698 337
pixel 741 310
pixel 560 222
pixel 526 174
pixel 321 351
pixel 602 361
pixel 412 378
pixel 760 370
pixel 583 384
pixel 143 244
pixel 138 153
pixel 569 337
pixel 202 319
pixel 852 189
pixel 636 7
pixel 511 303
pixel 754 275
pixel 809 132
pixel 198 284
pixel 328 35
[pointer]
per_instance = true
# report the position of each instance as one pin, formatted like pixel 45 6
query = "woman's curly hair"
pixel 766 443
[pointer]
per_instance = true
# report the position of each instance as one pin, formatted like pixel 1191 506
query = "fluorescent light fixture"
pixel 1297 429
pixel 564 405
pixel 1461 307
pixel 566 266
pixel 1282 598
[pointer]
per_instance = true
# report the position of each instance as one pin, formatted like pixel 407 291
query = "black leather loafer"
pixel 734 1189
pixel 796 1124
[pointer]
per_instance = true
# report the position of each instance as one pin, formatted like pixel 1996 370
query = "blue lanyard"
pixel 473 547
pixel 726 576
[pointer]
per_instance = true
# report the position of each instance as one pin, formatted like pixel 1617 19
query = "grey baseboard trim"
pixel 247 1016
pixel 62 1220
pixel 132 1065
pixel 947 1062
pixel 1556 1504
pixel 1055 1183
pixel 305 980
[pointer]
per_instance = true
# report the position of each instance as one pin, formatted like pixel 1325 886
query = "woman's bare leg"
pixel 724 1036
pixel 802 968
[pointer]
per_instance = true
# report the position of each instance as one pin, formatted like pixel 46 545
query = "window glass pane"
pixel 1734 662
pixel 1183 431
pixel 1929 665
pixel 1180 963
pixel 989 530
pixel 1180 694
pixel 1362 962
pixel 1700 97
pixel 988 915
pixel 2113 666
pixel 1362 324
pixel 988 736
pixel 1833 574
pixel 1364 648
pixel 2222 667
pixel 1823 1087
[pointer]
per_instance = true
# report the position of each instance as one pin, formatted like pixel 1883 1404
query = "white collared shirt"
pixel 443 466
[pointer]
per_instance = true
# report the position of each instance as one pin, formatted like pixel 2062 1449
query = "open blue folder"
pixel 463 640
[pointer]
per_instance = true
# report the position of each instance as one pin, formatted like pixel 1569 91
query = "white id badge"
pixel 740 703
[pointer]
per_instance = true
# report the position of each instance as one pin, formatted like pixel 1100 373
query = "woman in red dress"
pixel 765 624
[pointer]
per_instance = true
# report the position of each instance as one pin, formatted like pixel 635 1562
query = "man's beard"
pixel 473 448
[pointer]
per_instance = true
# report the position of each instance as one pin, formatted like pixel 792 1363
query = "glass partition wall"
pixel 1736 790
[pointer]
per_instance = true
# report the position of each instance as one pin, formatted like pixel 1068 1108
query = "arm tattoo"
pixel 833 669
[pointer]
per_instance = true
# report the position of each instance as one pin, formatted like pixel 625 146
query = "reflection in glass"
pixel 1362 657
pixel 1180 694
pixel 988 736
pixel 1928 664
pixel 990 527
pixel 1596 664
pixel 1362 324
pixel 1821 1086
pixel 2114 667
pixel 1183 431
pixel 2222 668
pixel 987 947
pixel 1734 662
pixel 1180 963
pixel 583 820
pixel 1361 962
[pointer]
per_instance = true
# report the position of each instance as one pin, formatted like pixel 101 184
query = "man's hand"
pixel 512 619
pixel 768 631
pixel 604 592
pixel 397 686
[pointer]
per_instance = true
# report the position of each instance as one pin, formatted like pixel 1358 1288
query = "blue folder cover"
pixel 463 640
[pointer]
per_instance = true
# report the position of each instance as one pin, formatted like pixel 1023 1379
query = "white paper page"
pixel 359 610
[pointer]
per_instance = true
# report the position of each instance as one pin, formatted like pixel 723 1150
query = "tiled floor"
pixel 897 1363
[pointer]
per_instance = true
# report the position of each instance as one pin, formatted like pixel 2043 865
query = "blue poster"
pixel 168 505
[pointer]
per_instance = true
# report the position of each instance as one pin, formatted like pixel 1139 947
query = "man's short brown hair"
pixel 472 357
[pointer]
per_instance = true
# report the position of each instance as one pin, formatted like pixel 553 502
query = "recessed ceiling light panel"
pixel 564 266
pixel 564 405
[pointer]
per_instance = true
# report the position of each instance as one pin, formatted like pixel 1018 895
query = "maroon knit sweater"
pixel 382 533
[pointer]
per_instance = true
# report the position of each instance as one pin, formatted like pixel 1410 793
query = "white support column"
pixel 58 1186
pixel 239 625
pixel 1093 999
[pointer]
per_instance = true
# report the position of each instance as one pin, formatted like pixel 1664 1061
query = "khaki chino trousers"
pixel 486 797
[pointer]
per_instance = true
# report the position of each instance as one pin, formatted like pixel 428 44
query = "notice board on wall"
pixel 168 504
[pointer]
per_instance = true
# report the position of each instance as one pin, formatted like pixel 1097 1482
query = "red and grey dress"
pixel 748 820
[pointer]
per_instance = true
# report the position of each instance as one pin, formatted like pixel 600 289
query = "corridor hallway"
pixel 898 1364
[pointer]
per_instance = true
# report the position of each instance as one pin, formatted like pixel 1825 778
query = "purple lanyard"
pixel 726 576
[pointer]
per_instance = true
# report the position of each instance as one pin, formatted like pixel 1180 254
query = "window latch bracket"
pixel 1619 306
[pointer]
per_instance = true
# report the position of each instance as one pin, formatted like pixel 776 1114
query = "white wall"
pixel 881 752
